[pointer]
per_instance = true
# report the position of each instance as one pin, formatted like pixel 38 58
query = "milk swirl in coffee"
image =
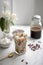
pixel 36 32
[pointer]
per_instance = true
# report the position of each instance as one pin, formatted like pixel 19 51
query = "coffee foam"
pixel 36 28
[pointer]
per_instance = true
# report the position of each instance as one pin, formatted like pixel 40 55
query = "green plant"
pixel 7 18
pixel 2 23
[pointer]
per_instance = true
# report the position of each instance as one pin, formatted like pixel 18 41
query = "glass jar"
pixel 7 26
pixel 36 27
pixel 20 39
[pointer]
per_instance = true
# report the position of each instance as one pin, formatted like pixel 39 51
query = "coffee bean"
pixel 26 62
pixel 22 60
pixel 33 49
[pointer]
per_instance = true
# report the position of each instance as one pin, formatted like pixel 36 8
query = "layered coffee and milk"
pixel 36 32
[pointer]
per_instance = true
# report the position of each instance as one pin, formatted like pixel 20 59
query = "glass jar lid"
pixel 36 17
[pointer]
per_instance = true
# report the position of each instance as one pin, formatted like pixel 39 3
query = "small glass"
pixel 20 40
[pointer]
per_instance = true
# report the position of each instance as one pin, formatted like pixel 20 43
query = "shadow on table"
pixel 29 38
pixel 10 60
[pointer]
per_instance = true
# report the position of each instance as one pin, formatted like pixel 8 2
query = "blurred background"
pixel 24 9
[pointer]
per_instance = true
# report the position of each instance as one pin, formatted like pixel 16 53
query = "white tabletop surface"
pixel 32 57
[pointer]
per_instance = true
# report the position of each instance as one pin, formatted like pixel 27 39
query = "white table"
pixel 33 57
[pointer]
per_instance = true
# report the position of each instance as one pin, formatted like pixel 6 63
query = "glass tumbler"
pixel 20 40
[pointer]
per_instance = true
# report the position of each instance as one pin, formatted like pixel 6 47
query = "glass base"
pixel 21 52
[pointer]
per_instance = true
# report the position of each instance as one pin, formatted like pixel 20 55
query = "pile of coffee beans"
pixel 34 47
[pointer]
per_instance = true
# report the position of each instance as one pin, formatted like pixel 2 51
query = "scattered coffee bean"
pixel 34 47
pixel 38 46
pixel 26 62
pixel 22 60
pixel 30 45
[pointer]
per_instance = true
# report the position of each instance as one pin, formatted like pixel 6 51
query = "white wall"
pixel 1 6
pixel 39 8
pixel 25 9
